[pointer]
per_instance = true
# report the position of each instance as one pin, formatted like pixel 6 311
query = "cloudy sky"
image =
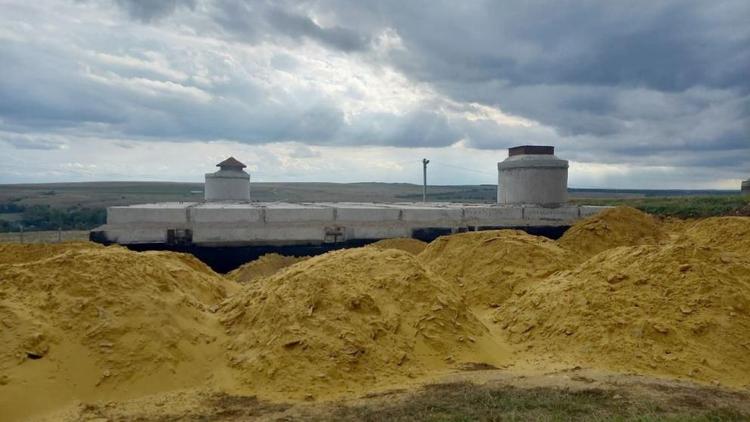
pixel 636 94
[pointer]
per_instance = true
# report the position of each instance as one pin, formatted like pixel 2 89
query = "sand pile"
pixel 413 246
pixel 675 309
pixel 730 234
pixel 348 320
pixel 620 226
pixel 490 266
pixel 264 266
pixel 16 253
pixel 97 322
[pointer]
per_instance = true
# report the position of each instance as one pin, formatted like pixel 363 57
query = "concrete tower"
pixel 230 183
pixel 532 175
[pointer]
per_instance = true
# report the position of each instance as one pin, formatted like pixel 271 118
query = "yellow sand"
pixel 621 226
pixel 348 319
pixel 730 234
pixel 676 309
pixel 103 322
pixel 619 291
pixel 489 266
pixel 413 246
pixel 266 265
pixel 17 253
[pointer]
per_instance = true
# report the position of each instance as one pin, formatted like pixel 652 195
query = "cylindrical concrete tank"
pixel 532 175
pixel 230 183
pixel 745 190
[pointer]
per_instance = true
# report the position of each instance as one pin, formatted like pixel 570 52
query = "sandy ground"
pixel 619 390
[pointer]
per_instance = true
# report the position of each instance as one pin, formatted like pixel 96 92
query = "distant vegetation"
pixel 681 206
pixel 44 217
pixel 82 206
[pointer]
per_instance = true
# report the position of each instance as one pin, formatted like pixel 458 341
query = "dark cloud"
pixel 31 142
pixel 658 83
pixel 152 10
pixel 300 26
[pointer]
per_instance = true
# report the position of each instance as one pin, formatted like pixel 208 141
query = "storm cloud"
pixel 651 84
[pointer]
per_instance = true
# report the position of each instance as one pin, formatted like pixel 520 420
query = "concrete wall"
pixel 746 187
pixel 217 213
pixel 493 216
pixel 167 213
pixel 289 213
pixel 216 224
pixel 533 179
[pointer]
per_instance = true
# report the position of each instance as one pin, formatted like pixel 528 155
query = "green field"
pixel 681 206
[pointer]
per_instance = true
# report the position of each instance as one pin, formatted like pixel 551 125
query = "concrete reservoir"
pixel 227 221
pixel 230 183
pixel 532 175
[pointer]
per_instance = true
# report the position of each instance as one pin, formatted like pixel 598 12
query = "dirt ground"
pixel 479 394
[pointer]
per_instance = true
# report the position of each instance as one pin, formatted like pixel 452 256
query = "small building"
pixel 230 183
pixel 532 175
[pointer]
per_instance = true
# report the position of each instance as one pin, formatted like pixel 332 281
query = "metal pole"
pixel 424 179
pixel 59 234
pixel 21 225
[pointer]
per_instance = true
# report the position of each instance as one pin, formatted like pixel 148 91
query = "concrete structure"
pixel 532 175
pixel 216 224
pixel 230 183
pixel 745 190
pixel 228 230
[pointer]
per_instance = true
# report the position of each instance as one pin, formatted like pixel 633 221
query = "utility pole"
pixel 424 174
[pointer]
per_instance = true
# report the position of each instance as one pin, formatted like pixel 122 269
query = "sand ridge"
pixel 621 291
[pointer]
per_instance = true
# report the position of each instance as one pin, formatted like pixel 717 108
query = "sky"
pixel 638 94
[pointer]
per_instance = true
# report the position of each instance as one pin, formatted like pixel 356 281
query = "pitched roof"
pixel 231 162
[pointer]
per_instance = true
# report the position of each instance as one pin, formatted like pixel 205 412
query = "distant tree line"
pixel 44 217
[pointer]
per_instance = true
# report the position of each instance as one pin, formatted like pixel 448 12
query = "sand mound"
pixel 673 309
pixel 266 265
pixel 620 226
pixel 413 246
pixel 16 253
pixel 346 320
pixel 96 322
pixel 730 234
pixel 491 265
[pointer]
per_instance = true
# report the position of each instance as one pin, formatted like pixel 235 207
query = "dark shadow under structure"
pixel 223 259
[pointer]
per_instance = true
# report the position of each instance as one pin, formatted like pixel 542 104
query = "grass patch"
pixel 469 402
pixel 677 206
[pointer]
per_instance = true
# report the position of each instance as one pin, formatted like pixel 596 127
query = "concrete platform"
pixel 278 224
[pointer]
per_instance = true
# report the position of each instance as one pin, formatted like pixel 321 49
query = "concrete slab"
pixel 279 224
pixel 495 215
pixel 560 215
pixel 287 213
pixel 414 213
pixel 168 212
pixel 259 235
pixel 353 212
pixel 589 210
pixel 378 232
pixel 226 213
